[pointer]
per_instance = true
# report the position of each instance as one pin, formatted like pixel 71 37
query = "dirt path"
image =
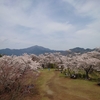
pixel 52 86
pixel 57 91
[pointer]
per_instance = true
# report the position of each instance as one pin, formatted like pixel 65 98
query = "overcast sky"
pixel 54 24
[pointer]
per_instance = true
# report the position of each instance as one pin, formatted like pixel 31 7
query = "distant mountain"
pixel 81 50
pixel 31 50
pixel 76 50
pixel 41 50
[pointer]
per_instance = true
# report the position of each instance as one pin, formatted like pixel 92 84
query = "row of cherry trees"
pixel 14 69
pixel 14 73
pixel 84 62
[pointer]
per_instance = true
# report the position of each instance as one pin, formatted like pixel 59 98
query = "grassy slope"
pixel 54 87
pixel 43 81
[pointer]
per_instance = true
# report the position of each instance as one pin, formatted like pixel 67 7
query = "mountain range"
pixel 41 50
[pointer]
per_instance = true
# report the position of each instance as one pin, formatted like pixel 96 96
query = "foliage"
pixel 14 73
pixel 15 70
pixel 0 55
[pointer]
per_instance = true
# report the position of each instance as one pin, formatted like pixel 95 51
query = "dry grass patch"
pixel 55 87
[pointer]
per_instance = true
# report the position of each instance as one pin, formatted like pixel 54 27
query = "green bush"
pixel 0 55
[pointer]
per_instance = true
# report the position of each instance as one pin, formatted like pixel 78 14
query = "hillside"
pixel 31 50
pixel 53 86
pixel 41 50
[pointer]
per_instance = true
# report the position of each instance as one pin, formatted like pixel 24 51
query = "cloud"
pixel 86 7
pixel 61 24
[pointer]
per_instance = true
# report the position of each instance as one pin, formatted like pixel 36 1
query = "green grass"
pixel 64 88
pixel 83 88
pixel 95 75
pixel 42 81
pixel 53 85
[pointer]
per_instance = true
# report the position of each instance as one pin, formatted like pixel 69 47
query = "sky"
pixel 54 24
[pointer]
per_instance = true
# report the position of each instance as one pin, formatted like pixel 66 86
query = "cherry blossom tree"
pixel 49 58
pixel 14 71
pixel 87 62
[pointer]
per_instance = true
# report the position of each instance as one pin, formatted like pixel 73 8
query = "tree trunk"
pixel 87 74
pixel 87 70
pixel 69 73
